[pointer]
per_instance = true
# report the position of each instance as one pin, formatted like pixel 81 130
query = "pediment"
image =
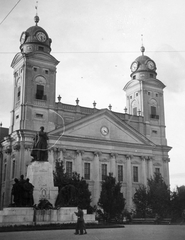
pixel 90 127
pixel 16 59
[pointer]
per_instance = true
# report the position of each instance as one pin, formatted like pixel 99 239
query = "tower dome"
pixel 35 38
pixel 143 64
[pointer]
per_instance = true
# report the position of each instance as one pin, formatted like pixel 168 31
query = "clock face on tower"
pixel 134 66
pixel 151 65
pixel 104 130
pixel 23 37
pixel 41 36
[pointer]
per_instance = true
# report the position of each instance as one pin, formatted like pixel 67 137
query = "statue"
pixel 28 193
pixel 16 193
pixel 22 192
pixel 39 151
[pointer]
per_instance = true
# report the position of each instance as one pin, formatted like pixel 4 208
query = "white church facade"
pixel 92 142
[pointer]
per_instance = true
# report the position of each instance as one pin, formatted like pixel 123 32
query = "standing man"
pixel 80 221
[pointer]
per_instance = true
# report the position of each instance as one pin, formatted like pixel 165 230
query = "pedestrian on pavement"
pixel 80 221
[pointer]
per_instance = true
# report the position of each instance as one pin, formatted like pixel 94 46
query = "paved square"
pixel 130 232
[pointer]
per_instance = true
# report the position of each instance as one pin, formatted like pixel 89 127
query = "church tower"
pixel 144 97
pixel 34 82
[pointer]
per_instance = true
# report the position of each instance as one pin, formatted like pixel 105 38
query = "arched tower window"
pixel 40 88
pixel 153 109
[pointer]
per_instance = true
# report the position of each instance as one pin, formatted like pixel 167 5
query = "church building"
pixel 92 142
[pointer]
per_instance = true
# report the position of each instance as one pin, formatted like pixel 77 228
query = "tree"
pixel 60 178
pixel 153 199
pixel 158 195
pixel 111 199
pixel 141 201
pixel 178 203
pixel 73 191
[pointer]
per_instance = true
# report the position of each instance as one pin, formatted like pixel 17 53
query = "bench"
pixel 166 220
pixel 143 220
pixel 151 220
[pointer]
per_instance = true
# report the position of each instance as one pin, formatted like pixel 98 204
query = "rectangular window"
pixel 87 171
pixel 4 173
pixel 41 48
pixel 120 173
pixel 69 168
pixel 154 113
pixel 13 169
pixel 18 93
pixel 153 110
pixel 135 174
pixel 40 92
pixel 104 171
pixel 157 170
pixel 135 111
pixel 38 115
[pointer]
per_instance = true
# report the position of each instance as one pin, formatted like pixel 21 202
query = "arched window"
pixel 40 88
pixel 153 109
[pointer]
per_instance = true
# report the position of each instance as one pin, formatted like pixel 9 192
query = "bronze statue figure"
pixel 39 151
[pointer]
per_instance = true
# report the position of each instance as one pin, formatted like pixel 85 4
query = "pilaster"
pixel 143 164
pixel 113 164
pixel 96 178
pixel 129 183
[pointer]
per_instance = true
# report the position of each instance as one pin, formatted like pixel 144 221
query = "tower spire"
pixel 36 18
pixel 142 47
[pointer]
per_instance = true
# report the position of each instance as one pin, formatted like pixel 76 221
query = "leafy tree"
pixel 141 201
pixel 111 199
pixel 60 178
pixel 178 203
pixel 153 199
pixel 158 195
pixel 73 190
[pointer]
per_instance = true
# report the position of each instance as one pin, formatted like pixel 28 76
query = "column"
pixel 113 164
pixel 78 162
pixel 61 154
pixel 166 170
pixel 150 166
pixel 129 183
pixel 96 178
pixel 143 164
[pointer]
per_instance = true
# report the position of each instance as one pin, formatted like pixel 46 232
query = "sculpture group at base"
pixel 39 151
pixel 22 192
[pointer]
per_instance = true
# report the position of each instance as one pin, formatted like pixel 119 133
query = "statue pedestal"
pixel 41 176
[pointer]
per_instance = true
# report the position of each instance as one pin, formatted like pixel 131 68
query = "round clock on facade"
pixel 134 66
pixel 23 37
pixel 151 65
pixel 104 130
pixel 41 36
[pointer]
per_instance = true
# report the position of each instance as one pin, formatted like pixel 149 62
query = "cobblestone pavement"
pixel 130 232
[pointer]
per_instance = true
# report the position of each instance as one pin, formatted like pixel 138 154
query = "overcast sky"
pixel 96 41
